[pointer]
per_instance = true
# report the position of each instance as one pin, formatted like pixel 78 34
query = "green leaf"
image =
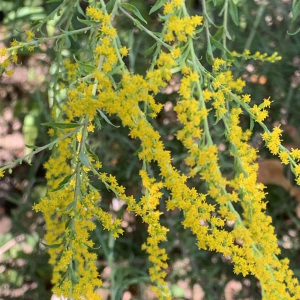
pixel 163 17
pixel 86 22
pixel 31 146
pixel 251 124
pixel 105 118
pixel 61 125
pixel 157 6
pixel 97 122
pixel 84 159
pixel 91 153
pixel 63 183
pixel 295 9
pixel 209 57
pixel 110 5
pixel 86 67
pixel 134 10
pixel 218 45
pixel 136 153
pixel 233 12
pixel 69 206
pixel 53 246
pixel 295 32
pixel 79 9
pixel 149 50
pixel 74 279
pixel 67 42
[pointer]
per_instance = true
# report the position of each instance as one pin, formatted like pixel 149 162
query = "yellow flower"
pixel 168 8
pixel 218 63
pixel 95 13
pixel 295 153
pixel 266 102
pixel 15 58
pixel 14 43
pixel 246 98
pixel 124 51
pixel 2 51
pixel 31 48
pixel 91 127
pixel 30 35
pixel 9 72
pixel 176 52
pixel 284 157
pixel 246 52
pixel 177 3
pixel 207 95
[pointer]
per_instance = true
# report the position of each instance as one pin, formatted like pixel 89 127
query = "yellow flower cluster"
pixel 101 17
pixel 273 140
pixel 258 56
pixel 71 69
pixel 223 84
pixel 10 56
pixel 68 220
pixel 218 62
pixel 72 203
pixel 259 112
pixel 170 7
pixel 147 209
pixel 107 51
pixel 181 28
pixel 30 35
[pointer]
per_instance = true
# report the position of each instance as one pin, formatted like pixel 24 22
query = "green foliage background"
pixel 263 27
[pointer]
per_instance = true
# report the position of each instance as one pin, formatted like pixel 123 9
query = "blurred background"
pixel 25 103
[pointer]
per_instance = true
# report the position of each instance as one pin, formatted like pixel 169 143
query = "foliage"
pixel 157 113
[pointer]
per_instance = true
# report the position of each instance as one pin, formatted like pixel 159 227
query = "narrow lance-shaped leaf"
pixel 157 6
pixel 233 12
pixel 61 125
pixel 84 159
pixel 105 118
pixel 134 10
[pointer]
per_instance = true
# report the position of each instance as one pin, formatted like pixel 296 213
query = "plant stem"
pixel 255 25
pixel 146 30
pixel 40 40
pixel 31 154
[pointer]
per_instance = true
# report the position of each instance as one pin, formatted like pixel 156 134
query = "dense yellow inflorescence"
pixel 72 203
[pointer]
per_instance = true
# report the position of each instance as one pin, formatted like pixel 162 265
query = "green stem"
pixel 110 260
pixel 255 25
pixel 50 16
pixel 79 164
pixel 40 149
pixel 225 31
pixel 40 40
pixel 205 16
pixel 146 30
